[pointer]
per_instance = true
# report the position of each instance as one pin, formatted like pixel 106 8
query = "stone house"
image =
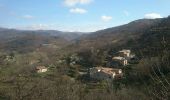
pixel 101 73
pixel 125 53
pixel 120 60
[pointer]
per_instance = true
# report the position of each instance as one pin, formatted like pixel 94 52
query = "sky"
pixel 78 15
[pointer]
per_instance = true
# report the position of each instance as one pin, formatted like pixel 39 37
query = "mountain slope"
pixel 116 36
pixel 155 40
pixel 25 41
pixel 146 36
pixel 10 33
pixel 136 34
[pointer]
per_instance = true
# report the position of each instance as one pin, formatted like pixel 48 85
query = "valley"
pixel 67 57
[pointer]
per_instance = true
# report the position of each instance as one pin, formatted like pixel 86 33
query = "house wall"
pixel 120 62
pixel 42 70
pixel 119 76
pixel 124 62
pixel 122 54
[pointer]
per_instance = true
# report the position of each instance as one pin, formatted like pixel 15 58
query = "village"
pixel 119 61
pixel 114 72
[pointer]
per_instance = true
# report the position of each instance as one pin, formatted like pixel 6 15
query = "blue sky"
pixel 78 15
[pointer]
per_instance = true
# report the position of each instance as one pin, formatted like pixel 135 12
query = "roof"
pixel 108 70
pixel 125 51
pixel 40 67
pixel 118 58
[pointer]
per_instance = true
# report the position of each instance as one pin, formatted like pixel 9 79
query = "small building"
pixel 124 53
pixel 101 73
pixel 41 69
pixel 121 60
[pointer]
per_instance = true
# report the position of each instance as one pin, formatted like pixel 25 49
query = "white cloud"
pixel 153 16
pixel 126 12
pixel 75 2
pixel 28 17
pixel 78 10
pixel 106 18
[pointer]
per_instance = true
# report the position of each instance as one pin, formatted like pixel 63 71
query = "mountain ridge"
pixel 114 36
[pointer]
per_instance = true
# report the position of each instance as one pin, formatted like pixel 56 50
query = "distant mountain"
pixel 149 37
pixel 10 33
pixel 24 40
pixel 117 35
pixel 139 34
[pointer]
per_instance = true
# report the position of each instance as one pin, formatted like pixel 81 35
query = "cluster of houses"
pixel 105 73
pixel 122 58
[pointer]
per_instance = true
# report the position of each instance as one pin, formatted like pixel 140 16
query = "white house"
pixel 41 69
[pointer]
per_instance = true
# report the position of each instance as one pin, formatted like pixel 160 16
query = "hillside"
pixel 154 40
pixel 11 33
pixel 25 41
pixel 129 34
pixel 116 35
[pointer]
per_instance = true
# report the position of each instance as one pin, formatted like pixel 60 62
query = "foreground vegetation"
pixel 147 79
